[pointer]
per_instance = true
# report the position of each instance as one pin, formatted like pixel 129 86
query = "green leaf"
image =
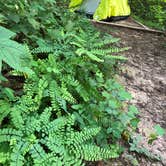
pixel 12 52
pixel 81 51
pixel 94 57
pixel 125 95
pixel 132 111
pixel 159 130
pixel 2 78
pixel 34 23
pixel 5 33
pixel 113 104
pixel 15 18
pixel 117 57
pixel 134 122
pixel 9 93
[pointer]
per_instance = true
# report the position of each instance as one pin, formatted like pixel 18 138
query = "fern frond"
pixel 80 39
pixel 94 153
pixel 72 160
pixel 7 134
pixel 66 95
pixel 82 92
pixel 19 151
pixel 90 54
pixel 55 145
pixel 4 109
pixel 116 57
pixel 42 85
pixel 70 80
pixel 49 49
pixel 55 93
pixel 32 124
pixel 105 42
pixel 45 115
pixel 16 117
pixel 54 126
pixel 4 157
pixel 80 137
pixel 107 51
pixel 48 159
pixel 37 152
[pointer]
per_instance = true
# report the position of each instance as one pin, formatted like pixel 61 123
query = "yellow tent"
pixel 102 9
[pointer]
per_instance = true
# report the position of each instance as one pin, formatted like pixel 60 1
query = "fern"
pixel 19 151
pixel 16 117
pixel 8 134
pixel 65 145
pixel 5 109
pixel 4 157
pixel 105 42
pixel 43 50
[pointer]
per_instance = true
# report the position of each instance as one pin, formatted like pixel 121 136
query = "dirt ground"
pixel 144 76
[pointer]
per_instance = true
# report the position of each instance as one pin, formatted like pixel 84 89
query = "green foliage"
pixel 136 147
pixel 159 130
pixel 151 12
pixel 73 80
pixel 49 141
pixel 11 52
pixel 36 20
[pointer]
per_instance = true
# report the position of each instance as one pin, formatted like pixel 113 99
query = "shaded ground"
pixel 144 76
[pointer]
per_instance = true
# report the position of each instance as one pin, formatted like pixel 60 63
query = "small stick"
pixel 129 27
pixel 139 23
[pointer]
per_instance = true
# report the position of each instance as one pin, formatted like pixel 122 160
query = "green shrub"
pixel 152 12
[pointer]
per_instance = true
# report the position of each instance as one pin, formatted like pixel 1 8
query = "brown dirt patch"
pixel 144 76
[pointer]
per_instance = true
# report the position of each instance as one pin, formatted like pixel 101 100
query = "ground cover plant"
pixel 150 12
pixel 71 108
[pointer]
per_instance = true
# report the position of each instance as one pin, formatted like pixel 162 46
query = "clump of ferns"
pixel 51 142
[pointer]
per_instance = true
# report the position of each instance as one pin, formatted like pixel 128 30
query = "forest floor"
pixel 144 76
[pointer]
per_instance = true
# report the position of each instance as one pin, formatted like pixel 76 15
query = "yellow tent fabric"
pixel 109 8
pixel 106 8
pixel 74 4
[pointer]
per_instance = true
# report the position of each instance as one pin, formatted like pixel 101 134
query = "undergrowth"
pixel 71 108
pixel 150 12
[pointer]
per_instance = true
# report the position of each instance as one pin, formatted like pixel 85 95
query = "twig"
pixel 129 27
pixel 139 23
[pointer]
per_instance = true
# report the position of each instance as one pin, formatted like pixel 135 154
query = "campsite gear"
pixel 102 9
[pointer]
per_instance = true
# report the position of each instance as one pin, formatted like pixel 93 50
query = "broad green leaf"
pixel 2 78
pixel 12 52
pixel 132 111
pixel 125 95
pixel 5 33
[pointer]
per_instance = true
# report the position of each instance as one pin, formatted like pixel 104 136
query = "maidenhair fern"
pixel 52 141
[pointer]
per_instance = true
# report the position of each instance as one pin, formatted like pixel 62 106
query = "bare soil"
pixel 144 76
